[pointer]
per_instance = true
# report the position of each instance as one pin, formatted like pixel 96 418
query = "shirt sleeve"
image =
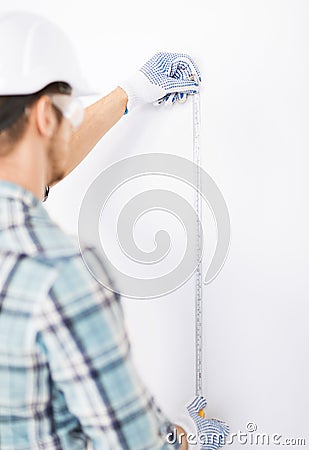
pixel 82 330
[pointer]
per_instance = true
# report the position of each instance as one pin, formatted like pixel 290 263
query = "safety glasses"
pixel 70 107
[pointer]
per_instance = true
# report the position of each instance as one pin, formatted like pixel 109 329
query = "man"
pixel 66 373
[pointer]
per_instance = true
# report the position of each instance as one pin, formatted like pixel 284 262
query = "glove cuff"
pixel 140 90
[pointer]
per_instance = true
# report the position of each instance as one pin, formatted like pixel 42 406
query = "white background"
pixel 255 101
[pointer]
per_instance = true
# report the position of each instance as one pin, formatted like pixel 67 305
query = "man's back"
pixel 65 364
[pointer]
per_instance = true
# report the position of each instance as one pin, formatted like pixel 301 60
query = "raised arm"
pixel 99 118
pixel 166 77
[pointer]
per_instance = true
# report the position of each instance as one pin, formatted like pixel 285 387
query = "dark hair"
pixel 13 121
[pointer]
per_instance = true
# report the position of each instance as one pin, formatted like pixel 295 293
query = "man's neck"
pixel 25 165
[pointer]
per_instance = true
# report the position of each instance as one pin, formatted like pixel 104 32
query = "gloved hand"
pixel 165 78
pixel 211 432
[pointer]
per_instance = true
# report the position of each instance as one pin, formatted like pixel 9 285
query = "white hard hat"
pixel 34 52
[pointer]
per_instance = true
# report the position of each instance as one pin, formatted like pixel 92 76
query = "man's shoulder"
pixel 36 236
pixel 43 242
pixel 78 265
pixel 52 243
pixel 42 246
pixel 76 273
pixel 56 248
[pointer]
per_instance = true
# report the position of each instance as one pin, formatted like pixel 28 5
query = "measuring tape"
pixel 213 427
pixel 199 247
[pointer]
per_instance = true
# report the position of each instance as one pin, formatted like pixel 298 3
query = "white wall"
pixel 253 55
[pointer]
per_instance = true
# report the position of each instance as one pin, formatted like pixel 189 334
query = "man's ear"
pixel 45 116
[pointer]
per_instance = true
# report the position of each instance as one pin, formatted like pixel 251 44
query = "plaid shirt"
pixel 66 371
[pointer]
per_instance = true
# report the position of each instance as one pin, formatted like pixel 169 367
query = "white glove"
pixel 165 78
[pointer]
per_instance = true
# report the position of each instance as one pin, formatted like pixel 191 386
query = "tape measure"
pixel 215 427
pixel 199 247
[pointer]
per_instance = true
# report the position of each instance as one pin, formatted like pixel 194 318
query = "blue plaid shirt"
pixel 66 372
